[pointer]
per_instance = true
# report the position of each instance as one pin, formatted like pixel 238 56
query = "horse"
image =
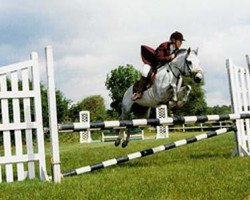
pixel 166 89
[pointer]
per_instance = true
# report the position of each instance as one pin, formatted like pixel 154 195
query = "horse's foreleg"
pixel 172 103
pixel 119 138
pixel 126 141
pixel 182 95
pixel 174 98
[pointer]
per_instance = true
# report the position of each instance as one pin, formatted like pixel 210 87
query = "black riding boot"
pixel 139 88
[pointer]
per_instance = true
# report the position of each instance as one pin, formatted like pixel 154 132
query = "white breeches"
pixel 145 70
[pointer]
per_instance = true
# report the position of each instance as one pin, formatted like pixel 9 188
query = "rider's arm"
pixel 161 53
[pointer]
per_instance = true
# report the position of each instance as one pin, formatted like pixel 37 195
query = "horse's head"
pixel 191 64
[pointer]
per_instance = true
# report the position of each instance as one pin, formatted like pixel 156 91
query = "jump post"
pixel 161 131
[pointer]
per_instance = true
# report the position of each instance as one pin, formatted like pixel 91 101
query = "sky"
pixel 92 37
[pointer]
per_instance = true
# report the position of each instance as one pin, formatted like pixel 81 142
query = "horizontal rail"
pixel 80 126
pixel 16 66
pixel 17 94
pixel 19 126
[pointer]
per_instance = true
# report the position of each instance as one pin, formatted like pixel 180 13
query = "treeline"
pixel 68 112
pixel 117 82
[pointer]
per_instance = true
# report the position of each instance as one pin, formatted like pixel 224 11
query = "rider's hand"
pixel 172 56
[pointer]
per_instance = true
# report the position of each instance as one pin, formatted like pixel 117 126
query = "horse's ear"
pixel 196 51
pixel 188 51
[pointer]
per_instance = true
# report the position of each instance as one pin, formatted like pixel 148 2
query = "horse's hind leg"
pixel 145 115
pixel 118 140
pixel 126 108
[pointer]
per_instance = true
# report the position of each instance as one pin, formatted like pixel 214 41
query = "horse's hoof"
pixel 124 144
pixel 117 142
pixel 180 104
pixel 172 104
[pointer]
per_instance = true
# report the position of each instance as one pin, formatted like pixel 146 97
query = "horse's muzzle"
pixel 198 77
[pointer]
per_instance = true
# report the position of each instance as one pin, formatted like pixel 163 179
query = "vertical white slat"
pixel 27 119
pixel 239 93
pixel 248 102
pixel 18 133
pixel 38 116
pixel 247 135
pixel 244 94
pixel 232 77
pixel 243 89
pixel 238 88
pixel 248 83
pixel 6 134
pixel 246 105
pixel 53 115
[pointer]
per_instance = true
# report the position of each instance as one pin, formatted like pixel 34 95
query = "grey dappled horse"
pixel 166 89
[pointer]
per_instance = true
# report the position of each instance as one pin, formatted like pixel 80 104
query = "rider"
pixel 155 59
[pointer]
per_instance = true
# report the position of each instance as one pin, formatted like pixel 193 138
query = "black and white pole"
pixel 151 122
pixel 147 152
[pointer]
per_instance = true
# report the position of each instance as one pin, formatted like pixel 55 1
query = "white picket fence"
pixel 21 124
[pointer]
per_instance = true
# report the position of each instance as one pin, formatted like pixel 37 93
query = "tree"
pixel 118 81
pixel 219 110
pixel 62 106
pixel 196 104
pixel 94 104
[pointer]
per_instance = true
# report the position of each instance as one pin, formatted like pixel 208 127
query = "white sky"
pixel 92 37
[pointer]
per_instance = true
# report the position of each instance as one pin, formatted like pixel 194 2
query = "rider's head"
pixel 176 38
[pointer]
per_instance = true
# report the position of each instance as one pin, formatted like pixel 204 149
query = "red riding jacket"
pixel 157 57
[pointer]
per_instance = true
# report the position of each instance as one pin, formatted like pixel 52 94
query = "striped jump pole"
pixel 147 152
pixel 80 126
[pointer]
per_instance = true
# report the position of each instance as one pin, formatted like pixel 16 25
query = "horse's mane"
pixel 180 51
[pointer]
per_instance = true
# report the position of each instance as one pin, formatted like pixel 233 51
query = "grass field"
pixel 203 170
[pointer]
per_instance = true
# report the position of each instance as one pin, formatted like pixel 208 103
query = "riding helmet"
pixel 176 36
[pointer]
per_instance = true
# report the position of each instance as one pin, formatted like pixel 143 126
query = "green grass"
pixel 203 170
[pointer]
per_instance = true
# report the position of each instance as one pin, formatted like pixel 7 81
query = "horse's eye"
pixel 189 62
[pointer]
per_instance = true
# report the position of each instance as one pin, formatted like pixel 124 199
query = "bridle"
pixel 185 64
